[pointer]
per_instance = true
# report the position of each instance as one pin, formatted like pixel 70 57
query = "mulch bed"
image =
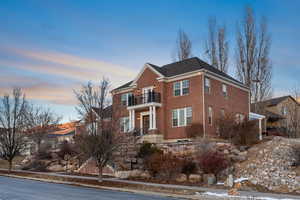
pixel 104 183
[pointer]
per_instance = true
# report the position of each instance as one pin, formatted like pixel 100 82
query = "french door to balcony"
pixel 146 94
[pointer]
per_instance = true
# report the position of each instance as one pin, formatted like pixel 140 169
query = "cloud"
pixel 52 76
pixel 77 63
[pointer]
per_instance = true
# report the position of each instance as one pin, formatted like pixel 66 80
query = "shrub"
pixel 66 149
pixel 153 164
pixel 213 162
pixel 188 167
pixel 240 133
pixel 148 149
pixel 194 130
pixel 166 166
pixel 43 152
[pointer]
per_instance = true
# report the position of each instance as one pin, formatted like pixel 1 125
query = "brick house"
pixel 162 102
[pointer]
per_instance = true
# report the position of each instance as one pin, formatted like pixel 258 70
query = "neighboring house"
pixel 282 113
pixel 162 102
pixel 93 117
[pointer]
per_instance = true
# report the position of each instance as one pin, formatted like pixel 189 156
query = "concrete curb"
pixel 104 187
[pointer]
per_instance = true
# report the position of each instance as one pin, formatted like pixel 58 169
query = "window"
pixel 124 98
pixel 124 124
pixel 181 117
pixel 224 90
pixel 185 87
pixel 181 88
pixel 207 85
pixel 210 115
pixel 283 110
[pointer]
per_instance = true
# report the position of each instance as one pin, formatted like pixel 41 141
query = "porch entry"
pixel 145 124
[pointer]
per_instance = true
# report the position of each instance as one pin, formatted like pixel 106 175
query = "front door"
pixel 145 127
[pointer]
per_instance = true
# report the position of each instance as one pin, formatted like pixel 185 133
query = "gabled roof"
pixel 273 101
pixel 182 67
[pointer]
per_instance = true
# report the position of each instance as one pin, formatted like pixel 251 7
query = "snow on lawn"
pixel 225 195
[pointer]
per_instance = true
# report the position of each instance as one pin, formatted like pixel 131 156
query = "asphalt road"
pixel 21 189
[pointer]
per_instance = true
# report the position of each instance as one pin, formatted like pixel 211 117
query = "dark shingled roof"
pixel 185 66
pixel 271 102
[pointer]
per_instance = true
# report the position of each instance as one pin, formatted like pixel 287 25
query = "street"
pixel 21 189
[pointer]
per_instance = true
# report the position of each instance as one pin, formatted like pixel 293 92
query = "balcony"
pixel 150 98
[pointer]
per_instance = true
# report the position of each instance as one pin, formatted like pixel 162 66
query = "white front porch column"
pixel 260 129
pixel 150 118
pixel 130 120
pixel 154 117
pixel 133 119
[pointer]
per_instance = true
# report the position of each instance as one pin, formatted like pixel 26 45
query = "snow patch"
pixel 240 180
pixel 241 197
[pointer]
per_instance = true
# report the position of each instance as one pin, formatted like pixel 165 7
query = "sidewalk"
pixel 208 191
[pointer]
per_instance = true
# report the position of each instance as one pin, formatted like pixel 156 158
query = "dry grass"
pixel 17 161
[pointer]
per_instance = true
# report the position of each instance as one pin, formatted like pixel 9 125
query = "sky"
pixel 50 48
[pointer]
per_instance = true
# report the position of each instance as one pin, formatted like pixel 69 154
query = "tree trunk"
pixel 188 177
pixel 9 166
pixel 100 174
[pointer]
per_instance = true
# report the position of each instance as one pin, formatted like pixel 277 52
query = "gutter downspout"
pixel 203 94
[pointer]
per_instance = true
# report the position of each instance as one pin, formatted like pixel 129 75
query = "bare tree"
pixel 217 46
pixel 101 139
pixel 41 121
pixel 253 64
pixel 292 120
pixel 183 46
pixel 13 125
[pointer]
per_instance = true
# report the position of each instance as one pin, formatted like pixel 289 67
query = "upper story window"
pixel 124 98
pixel 210 115
pixel 181 117
pixel 224 90
pixel 124 124
pixel 181 88
pixel 283 110
pixel 207 85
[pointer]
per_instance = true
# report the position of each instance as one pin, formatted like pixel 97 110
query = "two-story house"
pixel 282 113
pixel 161 102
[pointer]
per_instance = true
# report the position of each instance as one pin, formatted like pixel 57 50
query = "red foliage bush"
pixel 164 166
pixel 188 167
pixel 213 162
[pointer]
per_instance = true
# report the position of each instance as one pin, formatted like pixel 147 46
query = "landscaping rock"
pixel 270 165
pixel 55 168
pixel 181 178
pixel 209 179
pixel 195 178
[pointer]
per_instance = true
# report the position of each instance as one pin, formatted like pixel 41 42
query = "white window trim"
pixel 209 83
pixel 212 114
pixel 178 116
pixel 127 97
pixel 225 93
pixel 181 87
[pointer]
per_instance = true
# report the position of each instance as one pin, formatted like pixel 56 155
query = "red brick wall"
pixel 193 99
pixel 237 102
